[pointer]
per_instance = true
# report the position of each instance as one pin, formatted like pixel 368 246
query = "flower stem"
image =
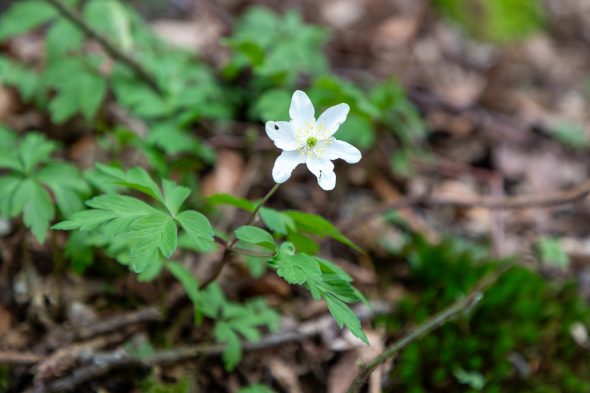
pixel 229 246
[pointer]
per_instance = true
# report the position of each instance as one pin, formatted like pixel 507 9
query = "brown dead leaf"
pixel 5 320
pixel 8 103
pixel 342 13
pixel 285 374
pixel 344 372
pixel 226 176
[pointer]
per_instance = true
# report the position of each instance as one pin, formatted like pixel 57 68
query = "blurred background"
pixel 451 99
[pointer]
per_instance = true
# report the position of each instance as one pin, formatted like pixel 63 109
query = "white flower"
pixel 305 140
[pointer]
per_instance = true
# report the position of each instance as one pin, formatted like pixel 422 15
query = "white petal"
pixel 332 118
pixel 340 149
pixel 282 134
pixel 301 110
pixel 327 180
pixel 323 169
pixel 318 165
pixel 285 164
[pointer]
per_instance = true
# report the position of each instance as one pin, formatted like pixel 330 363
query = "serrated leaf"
pixel 33 149
pixel 66 184
pixel 118 210
pixel 34 202
pixel 298 268
pixel 148 235
pixel 227 199
pixel 344 316
pixel 136 178
pixel 255 235
pixel 317 225
pixel 79 89
pixel 197 227
pixel 174 196
pixel 277 221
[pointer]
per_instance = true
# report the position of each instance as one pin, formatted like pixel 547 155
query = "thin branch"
pixel 461 306
pixel 100 364
pixel 230 245
pixel 111 48
pixel 572 195
pixel 19 358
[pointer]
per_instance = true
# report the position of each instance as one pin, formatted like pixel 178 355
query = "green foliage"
pixel 500 21
pixel 276 221
pixel 31 175
pixel 23 16
pixel 152 385
pixel 255 235
pixel 25 81
pixel 140 222
pixel 152 234
pixel 233 321
pixel 325 281
pixel 520 314
pixel 257 388
pixel 275 46
pixel 79 89
pixel 552 253
pixel 570 134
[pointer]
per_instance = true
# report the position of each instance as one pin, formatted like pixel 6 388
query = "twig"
pixel 461 306
pixel 101 364
pixel 112 324
pixel 230 245
pixel 19 359
pixel 111 48
pixel 574 194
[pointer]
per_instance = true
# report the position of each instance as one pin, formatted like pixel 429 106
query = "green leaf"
pixel 227 199
pixel 273 104
pixel 62 38
pixel 344 316
pixel 552 252
pixel 172 139
pixel 118 210
pixel 79 89
pixel 150 234
pixel 188 281
pixel 317 225
pixel 24 16
pixel 298 268
pixel 570 134
pixel 232 353
pixel 197 227
pixel 473 379
pixel 67 185
pixel 136 178
pixel 79 251
pixel 34 202
pixel 277 221
pixel 23 79
pixel 34 149
pixel 255 235
pixel 174 196
pixel 256 388
pixel 8 186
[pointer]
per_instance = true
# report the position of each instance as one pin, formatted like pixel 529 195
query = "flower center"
pixel 311 142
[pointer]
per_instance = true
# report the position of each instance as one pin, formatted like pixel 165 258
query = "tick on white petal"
pixel 307 140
